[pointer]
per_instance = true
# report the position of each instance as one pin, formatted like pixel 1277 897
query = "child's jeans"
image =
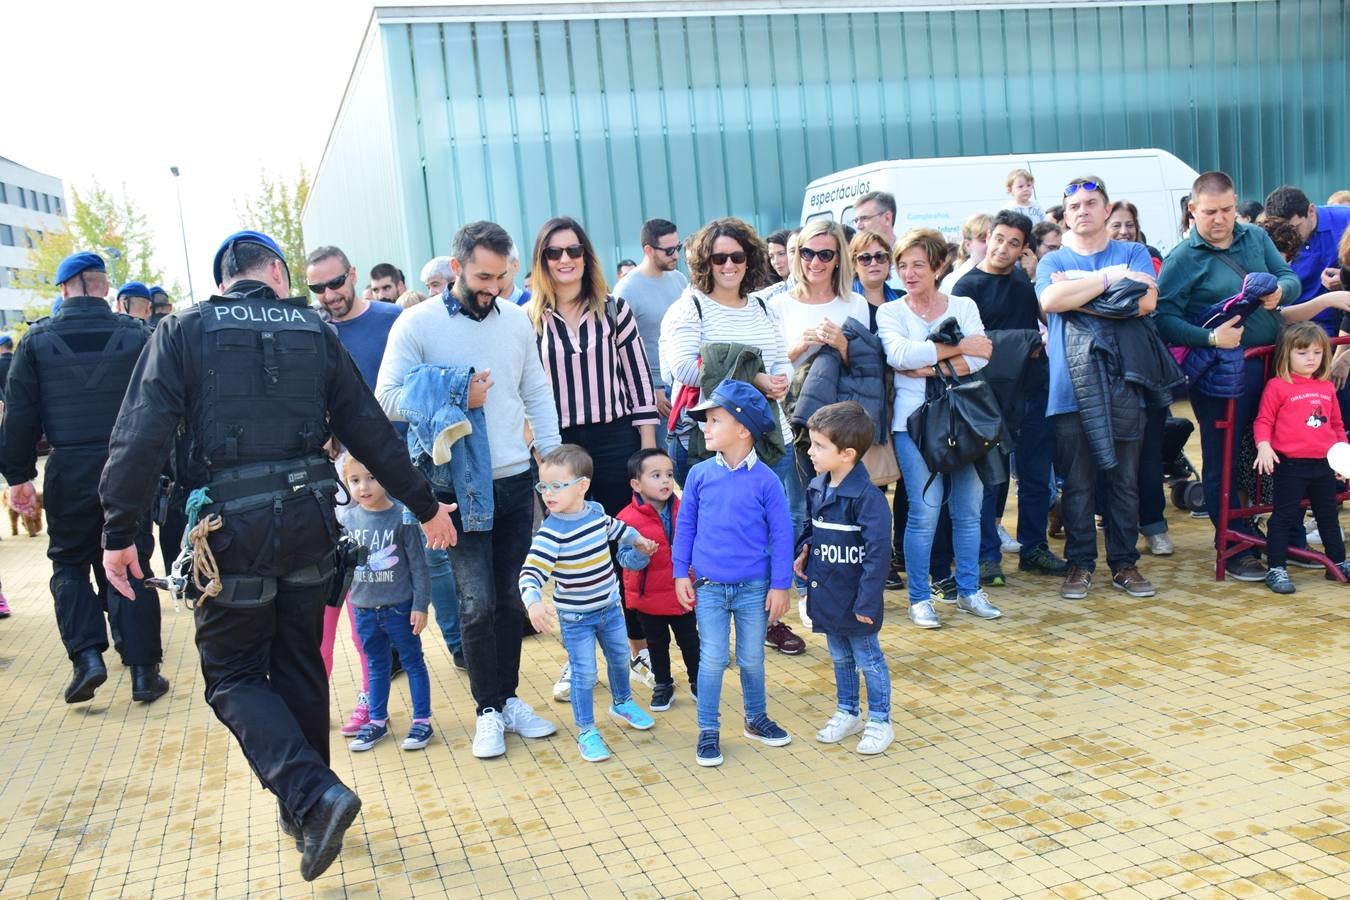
pixel 378 628
pixel 850 653
pixel 718 605
pixel 579 632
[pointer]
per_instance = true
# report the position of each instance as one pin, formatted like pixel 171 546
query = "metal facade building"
pixel 616 112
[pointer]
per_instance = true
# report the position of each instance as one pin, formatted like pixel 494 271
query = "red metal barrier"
pixel 1232 542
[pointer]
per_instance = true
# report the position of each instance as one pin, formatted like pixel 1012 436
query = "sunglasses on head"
pixel 808 254
pixel 720 259
pixel 672 252
pixel 1076 186
pixel 331 284
pixel 868 258
pixel 553 254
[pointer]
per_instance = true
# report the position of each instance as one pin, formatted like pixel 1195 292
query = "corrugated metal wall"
pixel 616 120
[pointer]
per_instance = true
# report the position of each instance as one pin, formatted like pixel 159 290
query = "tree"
pixel 275 211
pixel 111 227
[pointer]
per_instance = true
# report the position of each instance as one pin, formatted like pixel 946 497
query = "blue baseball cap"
pixel 243 237
pixel 133 289
pixel 745 403
pixel 79 262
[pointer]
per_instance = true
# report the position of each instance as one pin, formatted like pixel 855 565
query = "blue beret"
pixel 76 263
pixel 156 289
pixel 133 289
pixel 6 340
pixel 243 237
pixel 745 403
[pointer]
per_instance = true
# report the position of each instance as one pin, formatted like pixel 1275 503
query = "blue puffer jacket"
pixel 447 441
pixel 1216 371
pixel 822 377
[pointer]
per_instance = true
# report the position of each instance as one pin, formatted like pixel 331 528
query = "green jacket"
pixel 1193 277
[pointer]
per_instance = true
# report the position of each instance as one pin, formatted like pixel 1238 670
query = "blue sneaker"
pixel 369 735
pixel 709 752
pixel 766 731
pixel 632 715
pixel 592 746
pixel 419 735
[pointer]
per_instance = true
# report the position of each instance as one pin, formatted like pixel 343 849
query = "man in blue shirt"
pixel 1318 263
pixel 1085 266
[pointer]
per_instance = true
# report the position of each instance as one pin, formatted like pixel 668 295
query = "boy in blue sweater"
pixel 733 555
pixel 845 555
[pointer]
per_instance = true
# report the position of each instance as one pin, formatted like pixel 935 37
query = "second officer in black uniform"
pixel 258 382
pixel 68 377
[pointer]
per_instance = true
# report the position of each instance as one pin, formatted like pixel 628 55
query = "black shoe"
pixel 289 827
pixel 663 695
pixel 395 664
pixel 147 685
pixel 89 674
pixel 458 657
pixel 324 827
pixel 1042 562
pixel 894 582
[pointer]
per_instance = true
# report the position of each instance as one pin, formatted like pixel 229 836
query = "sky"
pixel 119 92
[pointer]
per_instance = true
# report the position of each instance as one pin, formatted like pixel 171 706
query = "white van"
pixel 943 193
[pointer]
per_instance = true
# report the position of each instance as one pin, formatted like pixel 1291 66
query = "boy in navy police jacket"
pixel 844 553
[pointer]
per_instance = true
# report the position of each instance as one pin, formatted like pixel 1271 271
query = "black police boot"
pixel 323 829
pixel 147 685
pixel 89 674
pixel 289 827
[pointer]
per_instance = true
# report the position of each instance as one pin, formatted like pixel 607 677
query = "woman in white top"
pixel 814 310
pixel 904 326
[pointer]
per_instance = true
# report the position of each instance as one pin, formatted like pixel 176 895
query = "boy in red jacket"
pixel 649 581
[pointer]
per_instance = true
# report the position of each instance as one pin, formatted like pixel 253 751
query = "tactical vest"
pixel 262 382
pixel 84 362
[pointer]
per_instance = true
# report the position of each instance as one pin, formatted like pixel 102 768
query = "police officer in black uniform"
pixel 258 381
pixel 69 374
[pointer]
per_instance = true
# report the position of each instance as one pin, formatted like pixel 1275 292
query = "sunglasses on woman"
pixel 720 259
pixel 824 256
pixel 868 259
pixel 553 254
pixel 331 284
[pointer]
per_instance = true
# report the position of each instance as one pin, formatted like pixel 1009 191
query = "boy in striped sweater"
pixel 573 547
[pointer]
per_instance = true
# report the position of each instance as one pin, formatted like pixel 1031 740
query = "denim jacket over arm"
pixel 435 403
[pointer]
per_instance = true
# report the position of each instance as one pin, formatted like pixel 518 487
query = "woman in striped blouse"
pixel 595 360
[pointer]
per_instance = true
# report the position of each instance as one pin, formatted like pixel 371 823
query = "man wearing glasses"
pixel 649 290
pixel 362 326
pixel 1085 268
pixel 875 212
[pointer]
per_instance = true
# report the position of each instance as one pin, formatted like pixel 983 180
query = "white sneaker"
pixel 1009 545
pixel 877 736
pixel 518 718
pixel 840 726
pixel 562 688
pixel 801 613
pixel 489 738
pixel 641 667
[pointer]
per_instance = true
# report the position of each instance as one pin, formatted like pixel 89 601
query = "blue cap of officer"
pixel 156 289
pixel 79 262
pixel 745 403
pixel 133 289
pixel 243 237
pixel 6 340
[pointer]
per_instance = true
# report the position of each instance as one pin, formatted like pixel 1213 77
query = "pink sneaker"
pixel 360 716
pixel 4 607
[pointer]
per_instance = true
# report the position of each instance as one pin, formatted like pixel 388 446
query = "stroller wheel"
pixel 1195 496
pixel 1179 493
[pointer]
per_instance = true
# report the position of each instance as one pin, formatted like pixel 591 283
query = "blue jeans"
pixel 378 628
pixel 1032 456
pixel 444 598
pixel 678 455
pixel 963 501
pixel 580 631
pixel 790 473
pixel 850 653
pixel 718 605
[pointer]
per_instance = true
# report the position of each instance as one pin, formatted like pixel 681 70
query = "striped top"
pixel 683 332
pixel 599 372
pixel 574 550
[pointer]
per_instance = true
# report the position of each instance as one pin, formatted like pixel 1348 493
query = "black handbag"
pixel 959 422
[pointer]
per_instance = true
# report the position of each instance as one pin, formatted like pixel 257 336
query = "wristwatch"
pixel 1213 339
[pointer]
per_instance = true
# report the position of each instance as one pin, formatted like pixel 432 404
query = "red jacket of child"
pixel 1301 418
pixel 652 589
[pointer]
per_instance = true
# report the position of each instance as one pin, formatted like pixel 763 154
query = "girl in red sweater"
pixel 1298 421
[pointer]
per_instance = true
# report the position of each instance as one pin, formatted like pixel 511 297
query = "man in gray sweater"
pixel 468 326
